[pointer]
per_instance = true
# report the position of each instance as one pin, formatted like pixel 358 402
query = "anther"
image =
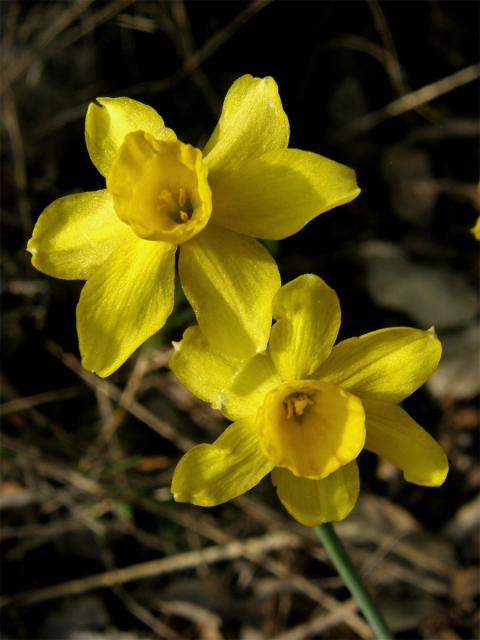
pixel 296 403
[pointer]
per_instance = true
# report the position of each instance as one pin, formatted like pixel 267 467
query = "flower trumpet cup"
pixel 304 409
pixel 162 194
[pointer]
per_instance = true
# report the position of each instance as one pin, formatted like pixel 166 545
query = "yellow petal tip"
pixel 475 230
pixel 435 479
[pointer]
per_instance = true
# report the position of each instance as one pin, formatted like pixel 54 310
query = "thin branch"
pixel 207 529
pixel 320 622
pixel 111 391
pixel 92 22
pixel 48 35
pixel 180 562
pixel 392 62
pixel 14 131
pixel 200 55
pixel 411 101
pixel 29 402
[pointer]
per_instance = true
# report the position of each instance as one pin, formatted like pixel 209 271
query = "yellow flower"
pixel 476 229
pixel 304 409
pixel 160 194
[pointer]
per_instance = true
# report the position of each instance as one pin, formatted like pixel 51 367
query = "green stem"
pixel 347 571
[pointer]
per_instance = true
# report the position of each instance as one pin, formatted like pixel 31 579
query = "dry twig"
pixel 29 402
pixel 111 391
pixel 41 48
pixel 180 562
pixel 411 101
pixel 320 622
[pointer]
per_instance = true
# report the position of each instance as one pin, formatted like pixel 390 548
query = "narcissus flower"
pixel 162 194
pixel 305 409
pixel 476 229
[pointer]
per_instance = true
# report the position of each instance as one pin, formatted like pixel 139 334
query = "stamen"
pixel 167 201
pixel 182 197
pixel 296 403
pixel 180 209
pixel 185 206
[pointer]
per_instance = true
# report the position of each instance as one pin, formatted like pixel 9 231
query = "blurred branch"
pixel 50 530
pixel 137 609
pixel 41 49
pixel 298 583
pixel 127 397
pixel 160 628
pixel 392 62
pixel 201 54
pixel 21 65
pixel 111 391
pixel 208 624
pixel 55 470
pixel 180 562
pixel 19 168
pixel 451 128
pixel 186 46
pixel 28 402
pixel 410 101
pixel 320 622
pixel 93 21
pixel 394 69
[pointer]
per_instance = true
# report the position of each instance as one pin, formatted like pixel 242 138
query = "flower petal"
pixel 110 119
pixel 313 502
pixel 388 364
pixel 252 122
pixel 393 434
pixel 202 370
pixel 210 474
pixel 230 282
pixel 275 195
pixel 247 389
pixel 76 234
pixel 235 387
pixel 307 312
pixel 125 301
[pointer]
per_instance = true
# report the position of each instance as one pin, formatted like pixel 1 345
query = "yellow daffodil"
pixel 162 194
pixel 476 229
pixel 304 409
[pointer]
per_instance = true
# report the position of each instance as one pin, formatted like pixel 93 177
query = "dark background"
pixel 85 473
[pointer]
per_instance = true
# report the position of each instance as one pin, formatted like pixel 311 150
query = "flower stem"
pixel 347 571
